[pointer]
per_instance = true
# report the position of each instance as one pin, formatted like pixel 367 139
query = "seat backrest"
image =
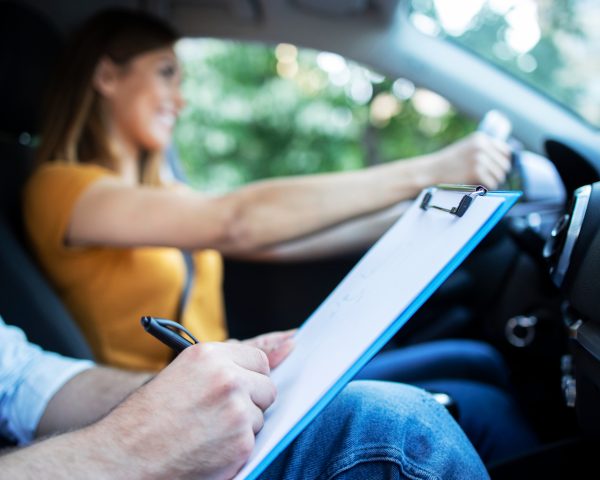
pixel 28 46
pixel 27 301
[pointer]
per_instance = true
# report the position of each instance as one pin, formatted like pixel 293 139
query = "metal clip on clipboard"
pixel 471 191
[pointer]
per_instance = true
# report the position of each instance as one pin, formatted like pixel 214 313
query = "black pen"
pixel 166 331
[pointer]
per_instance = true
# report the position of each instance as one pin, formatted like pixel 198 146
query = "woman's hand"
pixel 277 345
pixel 476 159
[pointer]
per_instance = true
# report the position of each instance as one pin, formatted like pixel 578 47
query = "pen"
pixel 166 331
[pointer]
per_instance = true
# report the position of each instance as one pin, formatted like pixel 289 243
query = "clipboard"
pixel 384 289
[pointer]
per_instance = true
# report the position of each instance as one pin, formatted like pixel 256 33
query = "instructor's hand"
pixel 277 345
pixel 199 416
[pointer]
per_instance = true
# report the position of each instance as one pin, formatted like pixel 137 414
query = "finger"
pixel 496 143
pixel 277 345
pixel 260 388
pixel 498 173
pixel 258 419
pixel 501 160
pixel 250 413
pixel 501 146
pixel 286 334
pixel 280 353
pixel 488 180
pixel 248 357
pixel 497 149
pixel 500 152
pixel 271 341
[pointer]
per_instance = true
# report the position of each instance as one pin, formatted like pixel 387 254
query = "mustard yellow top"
pixel 108 290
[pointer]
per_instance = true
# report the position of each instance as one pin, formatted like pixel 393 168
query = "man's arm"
pixel 195 419
pixel 29 378
pixel 93 393
pixel 80 454
pixel 88 397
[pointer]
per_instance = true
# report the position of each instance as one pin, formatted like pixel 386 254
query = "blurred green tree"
pixel 256 111
pixel 548 44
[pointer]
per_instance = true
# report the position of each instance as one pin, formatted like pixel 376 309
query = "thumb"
pixel 277 345
pixel 280 352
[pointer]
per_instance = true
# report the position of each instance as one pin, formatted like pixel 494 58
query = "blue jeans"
pixel 379 430
pixel 490 417
pixel 474 374
pixel 454 358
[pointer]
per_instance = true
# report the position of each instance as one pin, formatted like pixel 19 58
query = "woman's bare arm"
pixel 267 213
pixel 353 236
pixel 262 214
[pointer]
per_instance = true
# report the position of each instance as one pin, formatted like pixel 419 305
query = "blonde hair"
pixel 73 128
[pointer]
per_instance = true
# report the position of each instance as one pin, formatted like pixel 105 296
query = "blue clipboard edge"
pixel 511 198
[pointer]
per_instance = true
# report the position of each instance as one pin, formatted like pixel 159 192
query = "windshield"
pixel 553 45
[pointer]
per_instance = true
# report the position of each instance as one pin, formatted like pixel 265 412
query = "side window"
pixel 256 111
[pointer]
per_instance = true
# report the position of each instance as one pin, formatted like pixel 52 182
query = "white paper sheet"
pixel 363 306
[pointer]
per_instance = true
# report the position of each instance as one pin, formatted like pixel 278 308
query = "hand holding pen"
pixel 276 345
pixel 211 397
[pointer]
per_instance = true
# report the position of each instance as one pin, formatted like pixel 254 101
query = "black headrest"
pixel 29 45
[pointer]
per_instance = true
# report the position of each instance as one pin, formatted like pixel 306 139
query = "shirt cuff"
pixel 43 381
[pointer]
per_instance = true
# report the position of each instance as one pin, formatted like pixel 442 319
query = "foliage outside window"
pixel 553 45
pixel 256 111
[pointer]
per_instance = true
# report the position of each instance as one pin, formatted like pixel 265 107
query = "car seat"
pixel 29 43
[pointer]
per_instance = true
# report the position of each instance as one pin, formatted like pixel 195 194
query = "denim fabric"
pixel 455 358
pixel 380 430
pixel 491 418
pixel 474 374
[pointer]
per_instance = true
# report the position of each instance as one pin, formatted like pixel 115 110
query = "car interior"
pixel 529 289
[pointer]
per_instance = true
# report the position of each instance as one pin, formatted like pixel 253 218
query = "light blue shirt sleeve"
pixel 29 378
